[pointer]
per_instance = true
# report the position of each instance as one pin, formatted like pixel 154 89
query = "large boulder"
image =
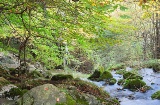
pixel 46 94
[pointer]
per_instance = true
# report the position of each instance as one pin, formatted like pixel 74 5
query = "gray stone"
pixel 9 60
pixel 46 94
pixel 6 89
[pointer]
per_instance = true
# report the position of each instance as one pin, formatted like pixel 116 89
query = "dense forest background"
pixel 80 34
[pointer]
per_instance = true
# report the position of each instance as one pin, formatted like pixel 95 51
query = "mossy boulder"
pixel 121 82
pixel 95 76
pixel 112 81
pixel 130 75
pixel 106 75
pixel 134 84
pixel 46 94
pixel 60 77
pixel 156 95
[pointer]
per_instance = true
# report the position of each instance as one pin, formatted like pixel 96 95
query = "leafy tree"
pixel 48 30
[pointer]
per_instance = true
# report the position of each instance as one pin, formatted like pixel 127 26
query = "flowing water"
pixel 127 97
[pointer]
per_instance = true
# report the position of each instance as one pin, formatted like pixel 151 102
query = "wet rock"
pixel 112 81
pixel 134 84
pixel 46 94
pixel 156 95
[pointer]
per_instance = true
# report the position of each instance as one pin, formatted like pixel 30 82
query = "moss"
pixel 156 95
pixel 130 75
pixel 84 92
pixel 90 88
pixel 3 82
pixel 95 76
pixel 61 77
pixel 106 75
pixel 134 84
pixel 121 81
pixel 112 81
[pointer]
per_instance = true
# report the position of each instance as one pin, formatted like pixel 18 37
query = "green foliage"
pixel 50 27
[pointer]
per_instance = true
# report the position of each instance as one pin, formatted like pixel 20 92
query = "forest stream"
pixel 127 97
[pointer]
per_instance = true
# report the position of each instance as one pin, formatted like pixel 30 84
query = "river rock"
pixel 106 75
pixel 112 81
pixel 46 94
pixel 156 95
pixel 134 84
